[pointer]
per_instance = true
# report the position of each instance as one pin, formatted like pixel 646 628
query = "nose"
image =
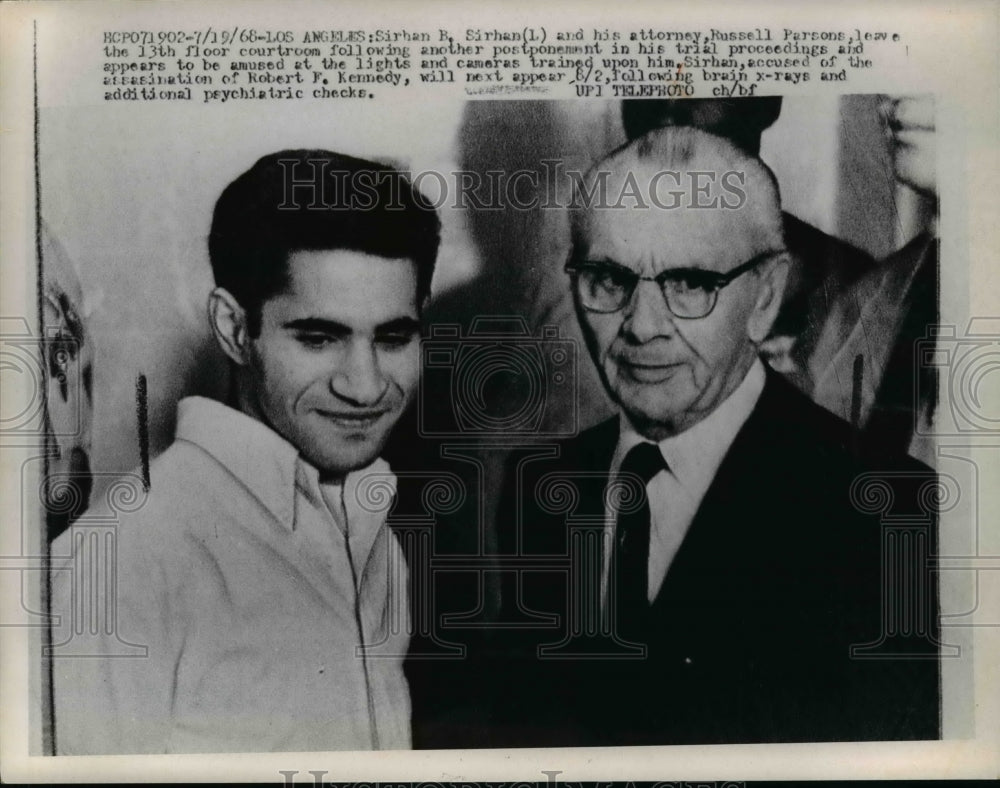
pixel 646 314
pixel 359 379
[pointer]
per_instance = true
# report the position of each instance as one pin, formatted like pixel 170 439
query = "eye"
pixel 610 279
pixel 315 341
pixel 690 282
pixel 394 341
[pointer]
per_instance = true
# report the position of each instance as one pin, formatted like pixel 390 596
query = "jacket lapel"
pixel 720 534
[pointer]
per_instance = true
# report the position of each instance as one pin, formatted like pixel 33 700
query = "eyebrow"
pixel 321 325
pixel 667 273
pixel 687 269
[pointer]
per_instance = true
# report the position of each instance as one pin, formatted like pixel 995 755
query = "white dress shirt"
pixel 269 620
pixel 693 457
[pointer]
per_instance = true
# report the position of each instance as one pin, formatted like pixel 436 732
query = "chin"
pixel 653 404
pixel 653 425
pixel 344 462
pixel 650 412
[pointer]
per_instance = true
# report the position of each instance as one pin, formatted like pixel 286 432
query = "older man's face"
pixel 668 373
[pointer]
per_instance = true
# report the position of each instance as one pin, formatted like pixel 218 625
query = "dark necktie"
pixel 631 550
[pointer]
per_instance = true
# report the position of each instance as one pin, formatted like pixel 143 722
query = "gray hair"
pixel 691 156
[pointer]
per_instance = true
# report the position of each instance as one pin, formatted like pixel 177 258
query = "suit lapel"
pixel 719 534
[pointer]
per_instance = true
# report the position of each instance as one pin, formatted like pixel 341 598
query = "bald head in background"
pixel 740 120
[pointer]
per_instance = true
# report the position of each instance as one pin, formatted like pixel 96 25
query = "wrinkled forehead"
pixel 706 214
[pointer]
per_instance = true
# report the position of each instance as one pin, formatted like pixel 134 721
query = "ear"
pixel 772 277
pixel 229 324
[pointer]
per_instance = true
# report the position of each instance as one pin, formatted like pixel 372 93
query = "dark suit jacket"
pixel 779 576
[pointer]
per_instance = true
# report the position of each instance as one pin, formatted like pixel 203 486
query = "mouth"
pixel 353 420
pixel 647 371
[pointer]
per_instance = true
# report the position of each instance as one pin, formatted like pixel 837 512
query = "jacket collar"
pixel 270 467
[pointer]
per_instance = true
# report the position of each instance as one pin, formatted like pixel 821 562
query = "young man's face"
pixel 338 356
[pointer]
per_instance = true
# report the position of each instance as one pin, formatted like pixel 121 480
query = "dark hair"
pixel 297 200
pixel 740 120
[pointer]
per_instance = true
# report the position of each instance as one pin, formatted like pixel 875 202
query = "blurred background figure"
pixel 69 405
pixel 68 355
pixel 866 367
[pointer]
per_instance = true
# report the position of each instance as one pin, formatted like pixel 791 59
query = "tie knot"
pixel 645 461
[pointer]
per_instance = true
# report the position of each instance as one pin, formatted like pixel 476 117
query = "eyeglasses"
pixel 690 293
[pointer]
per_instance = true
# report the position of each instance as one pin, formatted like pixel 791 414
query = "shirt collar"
pixel 695 455
pixel 269 466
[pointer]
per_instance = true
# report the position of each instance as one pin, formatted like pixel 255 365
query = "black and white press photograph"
pixel 495 418
pixel 577 440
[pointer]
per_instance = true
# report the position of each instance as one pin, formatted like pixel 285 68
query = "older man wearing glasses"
pixel 704 567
